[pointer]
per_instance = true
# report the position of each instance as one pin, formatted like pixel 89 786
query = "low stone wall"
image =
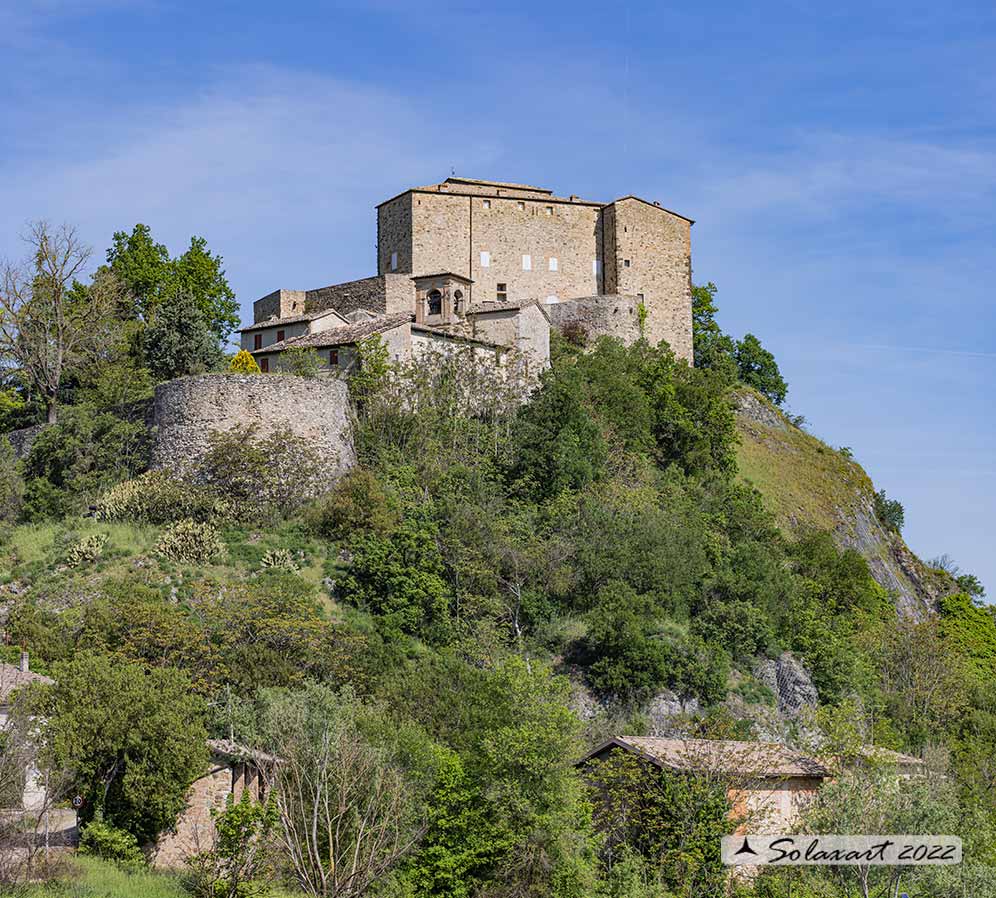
pixel 598 316
pixel 189 409
pixel 23 439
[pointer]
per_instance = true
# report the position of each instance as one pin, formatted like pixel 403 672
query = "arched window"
pixel 457 297
pixel 435 302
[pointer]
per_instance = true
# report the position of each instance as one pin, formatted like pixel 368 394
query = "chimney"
pixel 23 666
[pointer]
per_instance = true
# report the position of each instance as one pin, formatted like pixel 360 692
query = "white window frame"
pixel 485 259
pixel 527 263
pixel 554 264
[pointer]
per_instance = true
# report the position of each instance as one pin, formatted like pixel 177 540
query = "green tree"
pixel 890 512
pixel 154 280
pixel 134 739
pixel 672 820
pixel 180 340
pixel 73 461
pixel 757 368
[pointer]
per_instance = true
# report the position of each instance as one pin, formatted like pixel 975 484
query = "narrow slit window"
pixel 394 261
pixel 527 263
pixel 485 259
pixel 554 264
pixel 625 263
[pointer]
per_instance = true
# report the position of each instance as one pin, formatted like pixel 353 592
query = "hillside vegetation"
pixel 512 572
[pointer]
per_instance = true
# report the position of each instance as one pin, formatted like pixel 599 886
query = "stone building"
pixel 767 784
pixel 14 677
pixel 491 265
pixel 233 770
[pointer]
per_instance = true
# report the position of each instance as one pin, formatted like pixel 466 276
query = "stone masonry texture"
pixel 575 248
pixel 187 410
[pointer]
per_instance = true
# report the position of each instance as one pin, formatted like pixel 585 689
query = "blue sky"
pixel 840 161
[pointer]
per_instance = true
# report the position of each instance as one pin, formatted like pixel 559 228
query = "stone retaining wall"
pixel 189 409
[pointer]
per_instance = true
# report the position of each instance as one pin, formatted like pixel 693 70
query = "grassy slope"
pixel 806 483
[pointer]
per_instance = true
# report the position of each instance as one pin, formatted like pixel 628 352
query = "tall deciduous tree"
pixel 154 280
pixel 348 812
pixel 51 325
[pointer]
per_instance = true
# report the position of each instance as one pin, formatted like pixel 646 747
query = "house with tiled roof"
pixel 14 678
pixel 767 784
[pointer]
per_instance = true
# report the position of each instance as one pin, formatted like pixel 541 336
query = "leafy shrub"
pixel 243 363
pixel 890 512
pixel 238 865
pixel 280 559
pixel 263 477
pixel 358 504
pixel 299 362
pixel 100 839
pixel 190 542
pixel 740 627
pixel 155 497
pixel 72 462
pixel 87 550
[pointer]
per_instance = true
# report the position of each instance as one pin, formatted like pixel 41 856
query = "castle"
pixel 492 266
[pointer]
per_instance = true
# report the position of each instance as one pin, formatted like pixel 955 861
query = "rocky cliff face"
pixel 808 483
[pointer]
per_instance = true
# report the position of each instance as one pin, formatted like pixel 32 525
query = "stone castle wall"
pixel 597 316
pixel 575 248
pixel 187 410
pixel 656 244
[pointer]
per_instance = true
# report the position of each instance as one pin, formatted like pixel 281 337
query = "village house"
pixel 13 677
pixel 767 784
pixel 490 266
pixel 233 770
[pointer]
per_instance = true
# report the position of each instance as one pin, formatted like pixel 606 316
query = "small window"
pixel 521 204
pixel 549 210
pixel 293 305
pixel 527 263
pixel 394 261
pixel 280 336
pixel 485 259
pixel 334 358
pixel 257 341
pixel 435 302
pixel 553 264
pixel 264 365
pixel 625 263
pixel 457 296
pixel 502 292
pixel 487 204
pixel 596 266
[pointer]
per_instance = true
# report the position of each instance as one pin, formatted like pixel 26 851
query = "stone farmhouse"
pixel 14 677
pixel 767 784
pixel 491 266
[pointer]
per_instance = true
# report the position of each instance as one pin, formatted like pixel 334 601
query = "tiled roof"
pixel 450 335
pixel 442 274
pixel 340 336
pixel 274 321
pixel 478 307
pixel 755 759
pixel 235 751
pixel 13 678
